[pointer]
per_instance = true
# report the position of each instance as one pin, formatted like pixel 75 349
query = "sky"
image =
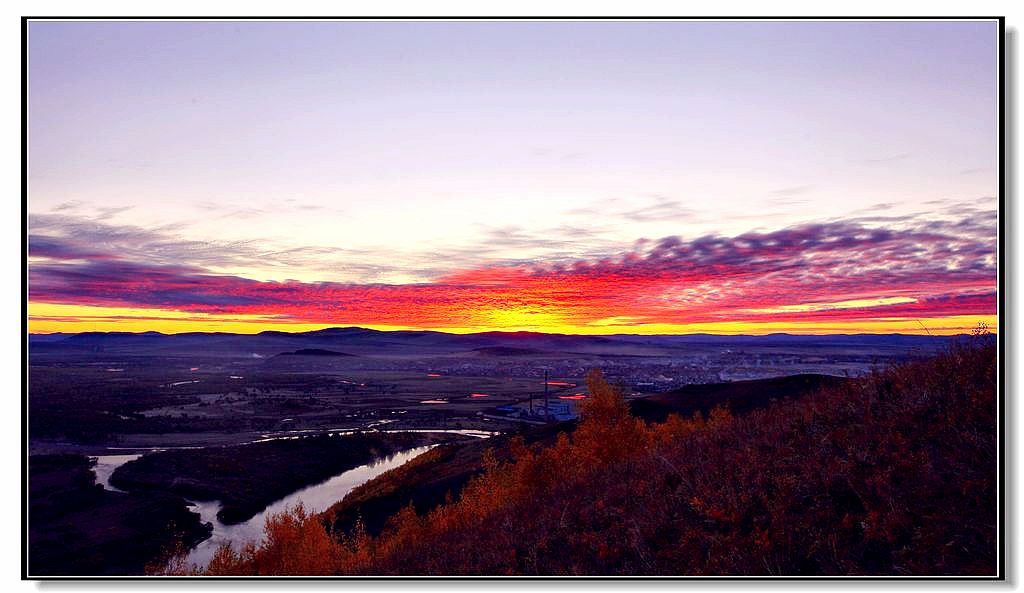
pixel 594 177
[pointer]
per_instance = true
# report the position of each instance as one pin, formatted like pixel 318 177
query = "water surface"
pixel 105 466
pixel 315 499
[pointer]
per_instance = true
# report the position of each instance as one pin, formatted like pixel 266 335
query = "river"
pixel 315 499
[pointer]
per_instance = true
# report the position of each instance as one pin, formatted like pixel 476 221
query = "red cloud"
pixel 946 269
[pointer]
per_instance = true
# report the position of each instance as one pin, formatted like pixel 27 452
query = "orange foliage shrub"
pixel 295 543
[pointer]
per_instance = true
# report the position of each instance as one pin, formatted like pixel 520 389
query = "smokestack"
pixel 531 402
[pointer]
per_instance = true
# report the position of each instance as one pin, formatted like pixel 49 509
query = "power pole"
pixel 547 410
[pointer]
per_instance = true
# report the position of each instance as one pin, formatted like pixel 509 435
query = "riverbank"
pixel 313 499
pixel 79 528
pixel 245 479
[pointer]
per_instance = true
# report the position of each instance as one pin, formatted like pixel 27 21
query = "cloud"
pixel 232 210
pixel 108 212
pixel 65 236
pixel 925 269
pixel 793 191
pixel 58 248
pixel 658 208
pixel 69 205
pixel 875 208
pixel 78 237
pixel 662 209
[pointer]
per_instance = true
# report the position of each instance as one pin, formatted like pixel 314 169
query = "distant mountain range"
pixel 368 342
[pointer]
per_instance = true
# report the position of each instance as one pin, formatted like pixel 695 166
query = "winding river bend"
pixel 316 498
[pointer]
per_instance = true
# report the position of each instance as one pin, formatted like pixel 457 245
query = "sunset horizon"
pixel 981 326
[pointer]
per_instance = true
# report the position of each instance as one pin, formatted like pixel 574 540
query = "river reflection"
pixel 105 466
pixel 315 499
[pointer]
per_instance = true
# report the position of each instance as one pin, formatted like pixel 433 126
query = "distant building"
pixel 558 409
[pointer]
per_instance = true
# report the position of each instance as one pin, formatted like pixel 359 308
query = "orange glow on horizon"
pixel 50 318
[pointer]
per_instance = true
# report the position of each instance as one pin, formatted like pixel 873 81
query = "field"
pixel 90 392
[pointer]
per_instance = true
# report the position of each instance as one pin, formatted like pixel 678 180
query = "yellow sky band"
pixel 50 318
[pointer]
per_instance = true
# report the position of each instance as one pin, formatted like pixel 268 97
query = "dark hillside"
pixel 739 396
pixel 427 481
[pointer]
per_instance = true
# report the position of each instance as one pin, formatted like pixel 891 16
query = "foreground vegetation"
pixel 890 475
